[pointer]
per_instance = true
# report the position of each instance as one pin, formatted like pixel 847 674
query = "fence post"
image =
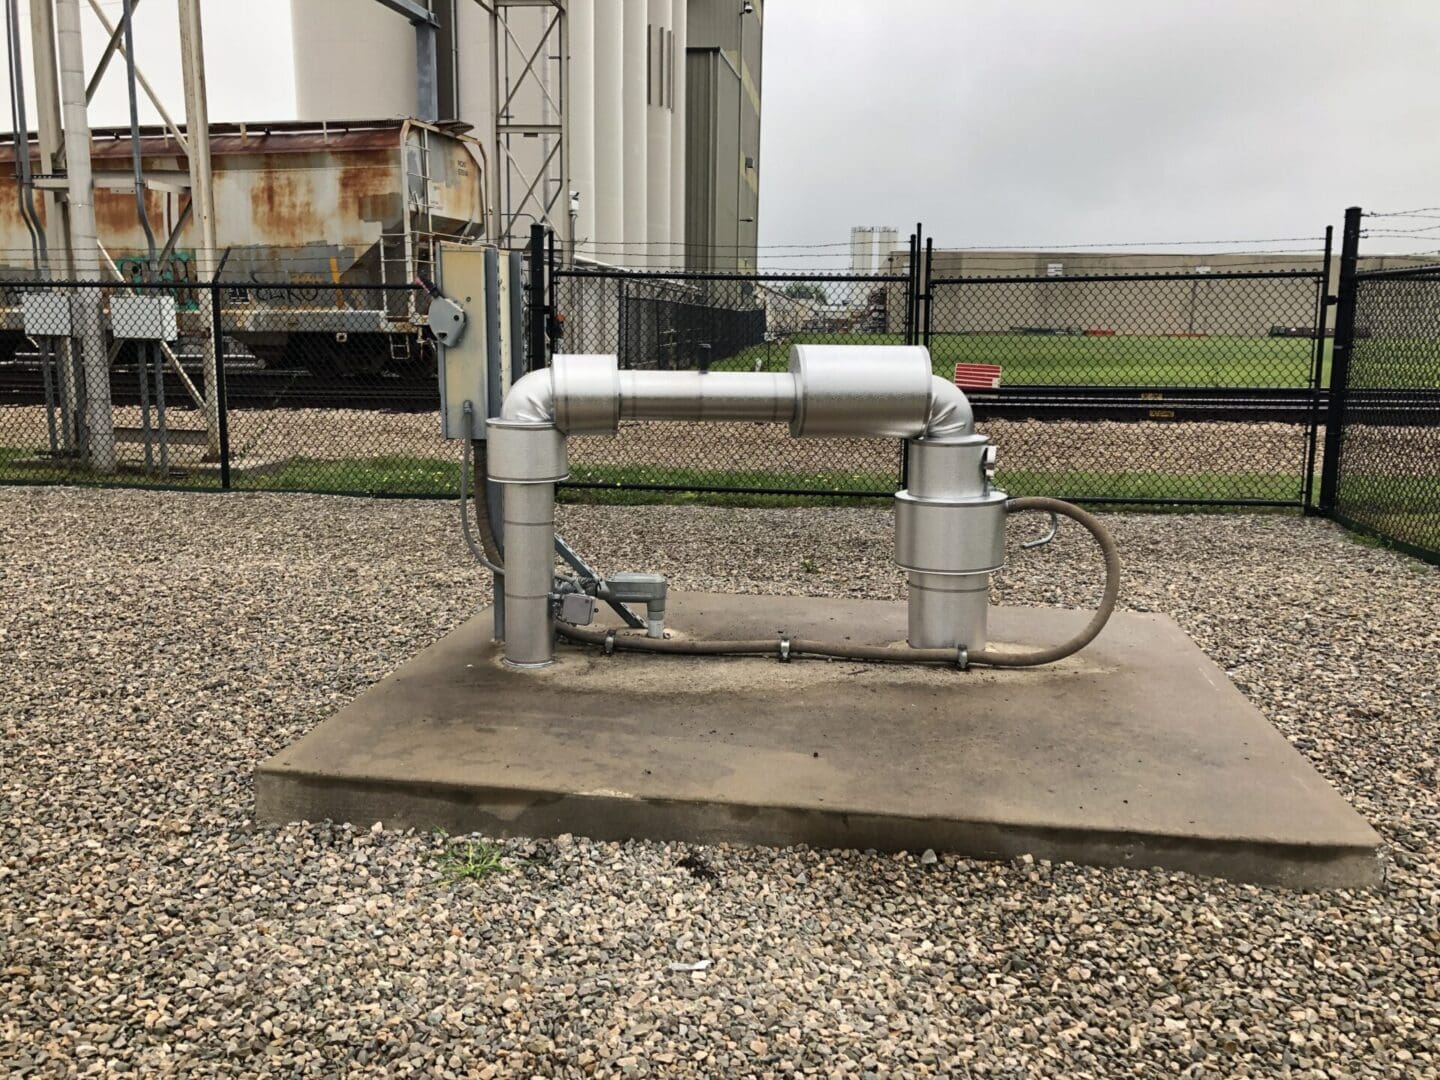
pixel 926 320
pixel 1340 360
pixel 222 403
pixel 1317 376
pixel 539 316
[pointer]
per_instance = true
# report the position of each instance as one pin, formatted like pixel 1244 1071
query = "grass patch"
pixel 1150 484
pixel 391 474
pixel 470 860
pixel 15 469
pixel 437 478
pixel 1088 361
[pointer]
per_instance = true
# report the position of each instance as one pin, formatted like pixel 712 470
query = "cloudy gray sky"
pixel 1017 122
pixel 1056 122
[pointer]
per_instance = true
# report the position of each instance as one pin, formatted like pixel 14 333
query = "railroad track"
pixel 251 387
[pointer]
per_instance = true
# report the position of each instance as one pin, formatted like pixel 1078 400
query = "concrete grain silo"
pixel 612 92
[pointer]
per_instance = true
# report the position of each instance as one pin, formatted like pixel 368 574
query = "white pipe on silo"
pixel 657 135
pixel 609 111
pixel 581 120
pixel 634 185
pixel 679 23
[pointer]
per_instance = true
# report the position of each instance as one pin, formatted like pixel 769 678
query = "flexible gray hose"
pixel 487 551
pixel 897 654
pixel 1036 657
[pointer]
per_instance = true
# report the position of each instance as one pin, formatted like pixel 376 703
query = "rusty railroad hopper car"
pixel 310 218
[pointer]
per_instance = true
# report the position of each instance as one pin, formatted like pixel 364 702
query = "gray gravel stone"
pixel 155 646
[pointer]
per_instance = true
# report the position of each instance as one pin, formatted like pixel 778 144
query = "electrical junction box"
pixel 47 314
pixel 143 318
pixel 473 367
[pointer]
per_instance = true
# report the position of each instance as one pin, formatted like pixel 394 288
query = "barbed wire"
pixel 1415 211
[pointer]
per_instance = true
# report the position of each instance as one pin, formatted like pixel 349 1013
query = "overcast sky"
pixel 1040 122
pixel 1014 122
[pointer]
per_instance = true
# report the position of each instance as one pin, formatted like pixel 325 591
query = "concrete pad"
pixel 1138 751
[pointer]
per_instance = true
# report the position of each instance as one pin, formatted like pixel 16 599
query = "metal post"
pixel 57 241
pixel 927 320
pixel 538 314
pixel 47 124
pixel 1317 375
pixel 99 422
pixel 222 406
pixel 202 205
pixel 1340 360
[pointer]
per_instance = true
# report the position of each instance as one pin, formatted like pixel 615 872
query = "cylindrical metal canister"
pixel 948 610
pixel 587 392
pixel 529 515
pixel 521 452
pixel 950 536
pixel 860 391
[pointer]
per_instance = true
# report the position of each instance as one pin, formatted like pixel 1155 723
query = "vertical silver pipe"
pixel 47 125
pixel 529 573
pixel 202 201
pixel 946 610
pixel 99 423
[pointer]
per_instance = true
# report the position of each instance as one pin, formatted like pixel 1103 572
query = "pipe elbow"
pixel 531 399
pixel 950 413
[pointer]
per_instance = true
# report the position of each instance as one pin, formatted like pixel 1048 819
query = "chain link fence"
pixel 324 388
pixel 1126 388
pixel 1387 472
pixel 720 322
pixel 1189 388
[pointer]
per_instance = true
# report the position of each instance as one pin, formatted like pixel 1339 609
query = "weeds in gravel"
pixel 470 860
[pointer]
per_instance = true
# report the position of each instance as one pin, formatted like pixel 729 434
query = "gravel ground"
pixel 157 646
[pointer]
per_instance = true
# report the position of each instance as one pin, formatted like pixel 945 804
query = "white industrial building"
pixel 585 108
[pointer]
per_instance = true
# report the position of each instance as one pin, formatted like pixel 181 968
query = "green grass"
pixel 433 477
pixel 13 472
pixel 1088 361
pixel 390 474
pixel 470 860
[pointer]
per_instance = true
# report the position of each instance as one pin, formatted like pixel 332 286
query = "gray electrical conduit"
pixel 487 551
pixel 785 648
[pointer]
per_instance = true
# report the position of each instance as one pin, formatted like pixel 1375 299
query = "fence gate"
pixel 1382 462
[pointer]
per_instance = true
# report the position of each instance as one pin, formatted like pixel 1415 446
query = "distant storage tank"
pixel 884 245
pixel 862 249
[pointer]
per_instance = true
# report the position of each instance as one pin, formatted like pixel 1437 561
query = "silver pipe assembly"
pixel 949 522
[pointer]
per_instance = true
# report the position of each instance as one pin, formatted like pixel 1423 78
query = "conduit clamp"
pixel 610 643
pixel 784 650
pixel 962 658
